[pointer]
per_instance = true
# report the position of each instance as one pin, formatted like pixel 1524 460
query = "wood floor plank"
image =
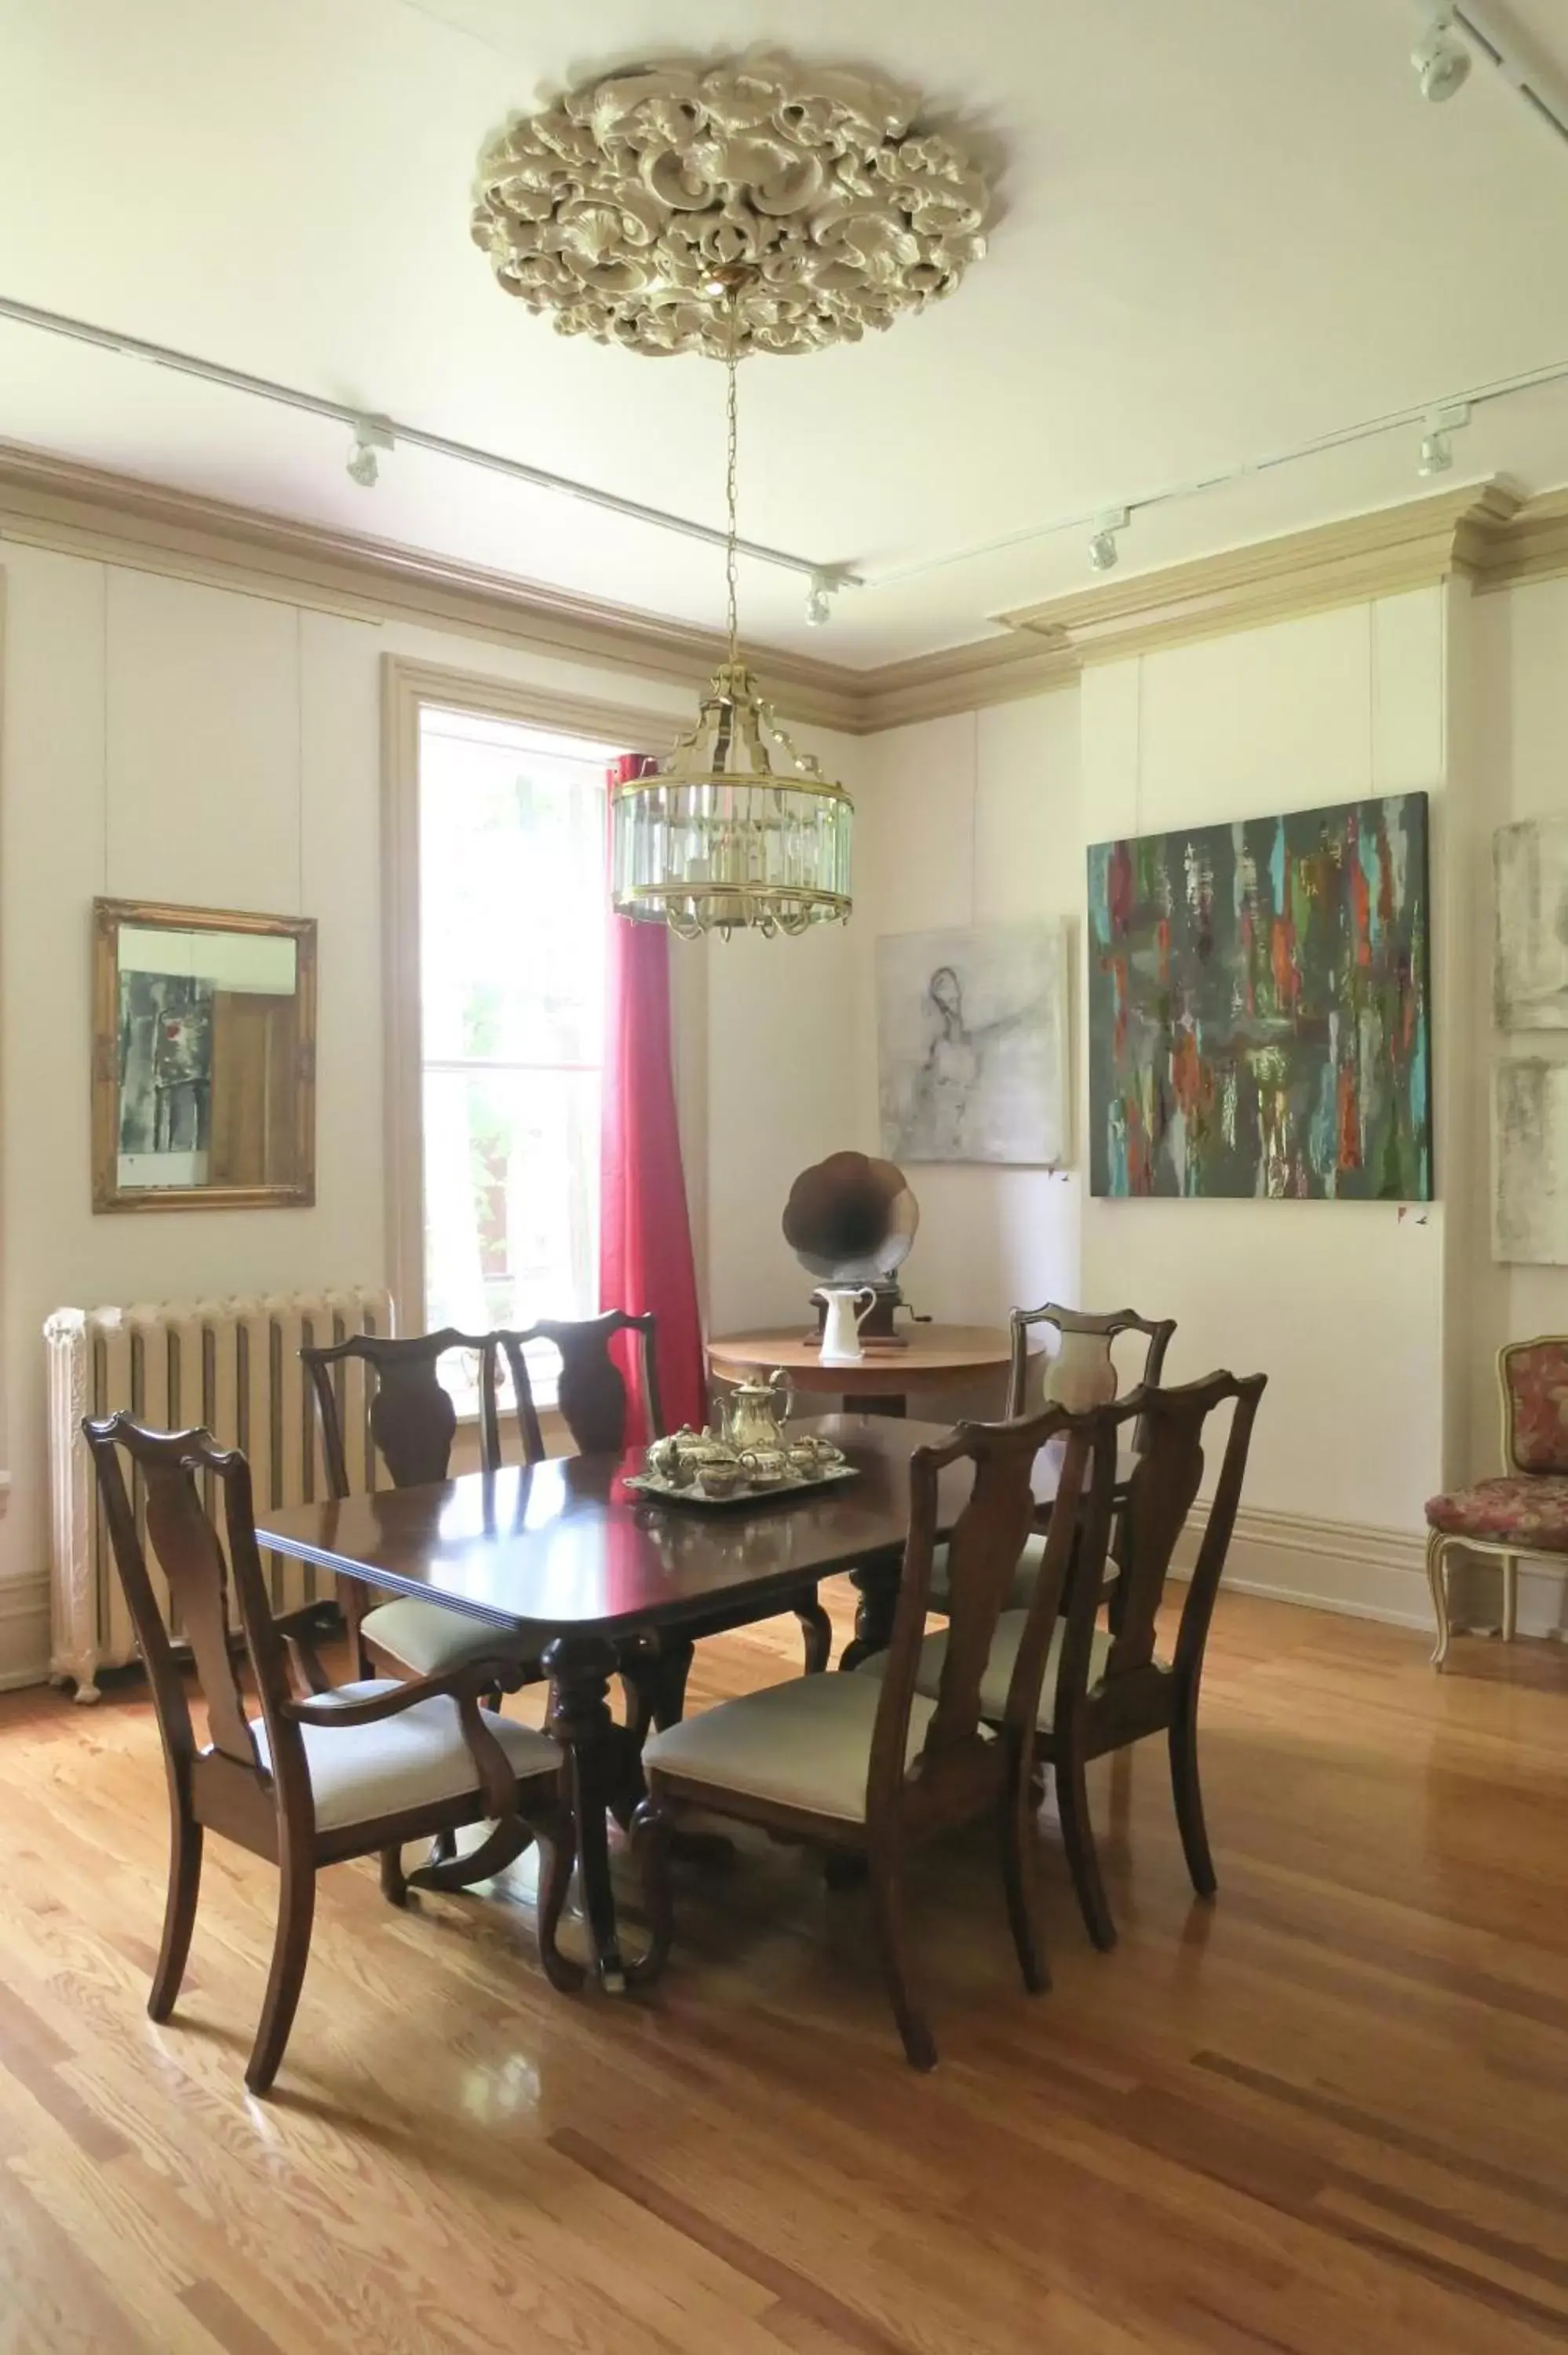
pixel 1329 2113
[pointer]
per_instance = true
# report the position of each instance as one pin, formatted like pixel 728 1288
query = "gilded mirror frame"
pixel 108 1192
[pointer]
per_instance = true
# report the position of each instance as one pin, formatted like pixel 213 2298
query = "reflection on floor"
pixel 1328 2115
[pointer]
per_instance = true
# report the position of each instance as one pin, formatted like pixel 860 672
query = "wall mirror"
pixel 204 1059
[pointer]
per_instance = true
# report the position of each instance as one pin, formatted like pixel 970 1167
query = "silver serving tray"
pixel 648 1484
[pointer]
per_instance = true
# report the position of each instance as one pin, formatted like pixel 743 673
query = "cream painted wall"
pixel 172 741
pixel 1340 1303
pixel 987 817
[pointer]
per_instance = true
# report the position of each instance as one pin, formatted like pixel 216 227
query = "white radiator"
pixel 231 1365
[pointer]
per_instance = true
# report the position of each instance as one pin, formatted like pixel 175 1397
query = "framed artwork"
pixel 1260 1007
pixel 204 1053
pixel 971 1045
pixel 1530 965
pixel 1529 1162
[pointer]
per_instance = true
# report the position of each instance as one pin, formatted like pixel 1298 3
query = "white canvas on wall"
pixel 1530 1163
pixel 1530 955
pixel 971 1043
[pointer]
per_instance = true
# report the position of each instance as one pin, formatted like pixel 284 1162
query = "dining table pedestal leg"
pixel 580 1669
pixel 876 1583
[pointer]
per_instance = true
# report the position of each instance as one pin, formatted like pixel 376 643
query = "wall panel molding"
pixel 1486 532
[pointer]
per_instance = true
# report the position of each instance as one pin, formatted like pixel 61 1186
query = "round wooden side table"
pixel 926 1358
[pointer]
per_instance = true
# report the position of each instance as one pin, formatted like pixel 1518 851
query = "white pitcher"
pixel 841 1330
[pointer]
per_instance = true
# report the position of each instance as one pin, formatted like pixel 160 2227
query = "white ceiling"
pixel 1228 227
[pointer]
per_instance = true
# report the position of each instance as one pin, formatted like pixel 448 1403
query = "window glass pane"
pixel 510 1197
pixel 512 903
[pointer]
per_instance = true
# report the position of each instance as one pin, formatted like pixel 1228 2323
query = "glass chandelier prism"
pixel 715 837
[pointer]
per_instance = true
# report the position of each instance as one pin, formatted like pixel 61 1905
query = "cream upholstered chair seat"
pixel 1020 1594
pixel 361 1772
pixel 803 1744
pixel 998 1666
pixel 430 1640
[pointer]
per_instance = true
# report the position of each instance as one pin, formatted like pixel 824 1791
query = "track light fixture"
pixel 371 435
pixel 824 587
pixel 1441 59
pixel 1437 448
pixel 1104 552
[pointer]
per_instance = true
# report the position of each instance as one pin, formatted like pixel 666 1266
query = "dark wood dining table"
pixel 565 1554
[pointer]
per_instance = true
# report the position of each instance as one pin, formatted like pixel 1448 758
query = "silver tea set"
pixel 750 1451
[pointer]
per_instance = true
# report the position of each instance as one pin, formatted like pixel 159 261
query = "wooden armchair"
pixel 413 1421
pixel 311 1781
pixel 874 1770
pixel 591 1395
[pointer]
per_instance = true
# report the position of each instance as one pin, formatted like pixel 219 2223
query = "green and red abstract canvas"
pixel 1260 1007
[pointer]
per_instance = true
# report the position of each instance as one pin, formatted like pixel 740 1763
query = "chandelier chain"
pixel 731 489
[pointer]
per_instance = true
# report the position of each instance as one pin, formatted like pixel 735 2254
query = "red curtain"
pixel 645 1234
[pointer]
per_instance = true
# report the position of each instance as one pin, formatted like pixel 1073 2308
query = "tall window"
pixel 512 914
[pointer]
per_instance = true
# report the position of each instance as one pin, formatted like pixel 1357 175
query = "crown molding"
pixel 1485 532
pixel 1534 547
pixel 119 519
pixel 1375 555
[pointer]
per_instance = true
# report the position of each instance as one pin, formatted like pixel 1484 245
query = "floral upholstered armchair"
pixel 1526 1511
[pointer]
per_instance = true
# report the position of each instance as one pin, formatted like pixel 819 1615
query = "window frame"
pixel 407 687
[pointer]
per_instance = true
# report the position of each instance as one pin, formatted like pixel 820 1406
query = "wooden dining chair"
pixel 590 1390
pixel 591 1395
pixel 413 1421
pixel 870 1770
pixel 1105 1688
pixel 312 1780
pixel 1080 1373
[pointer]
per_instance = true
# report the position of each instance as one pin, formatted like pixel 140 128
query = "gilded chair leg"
pixel 650 1829
pixel 179 1914
pixel 1020 1876
pixel 290 1952
pixel 1510 1597
pixel 1437 1578
pixel 816 1634
pixel 393 1885
pixel 1188 1793
pixel 887 1913
pixel 1082 1859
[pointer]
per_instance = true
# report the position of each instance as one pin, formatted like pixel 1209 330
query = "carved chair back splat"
pixel 591 1391
pixel 1081 1373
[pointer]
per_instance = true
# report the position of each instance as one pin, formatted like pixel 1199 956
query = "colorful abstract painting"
pixel 1259 1007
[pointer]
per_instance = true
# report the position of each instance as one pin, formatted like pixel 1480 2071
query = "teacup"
pixel 719 1479
pixel 812 1455
pixel 766 1467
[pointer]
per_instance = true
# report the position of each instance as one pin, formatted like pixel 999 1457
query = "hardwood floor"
pixel 1329 2114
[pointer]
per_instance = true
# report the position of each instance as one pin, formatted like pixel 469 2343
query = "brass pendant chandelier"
pixel 818 203
pixel 715 837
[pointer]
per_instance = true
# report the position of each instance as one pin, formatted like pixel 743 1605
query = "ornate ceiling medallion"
pixel 616 208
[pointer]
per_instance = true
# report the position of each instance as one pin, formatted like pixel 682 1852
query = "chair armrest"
pixel 470 1682
pixel 299 1628
pixel 496 1775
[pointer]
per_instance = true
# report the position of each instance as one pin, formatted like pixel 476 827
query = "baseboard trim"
pixel 1364 1572
pixel 24 1631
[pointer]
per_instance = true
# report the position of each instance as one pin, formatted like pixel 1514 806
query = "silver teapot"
pixel 753 1414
